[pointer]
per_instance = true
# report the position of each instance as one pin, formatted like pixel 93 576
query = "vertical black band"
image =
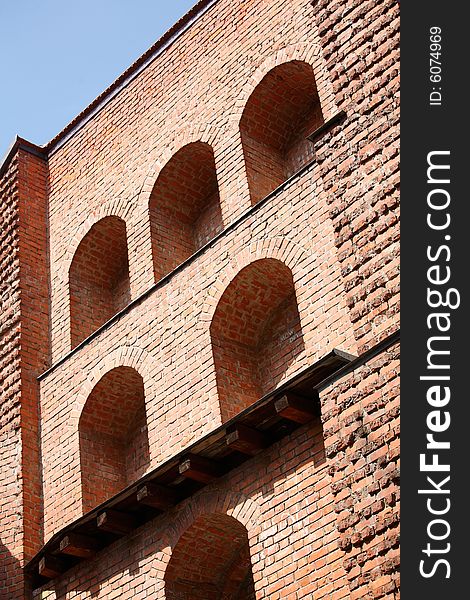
pixel 435 322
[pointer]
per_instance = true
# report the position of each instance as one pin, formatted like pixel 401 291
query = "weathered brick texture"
pixel 201 251
pixel 360 44
pixel 24 355
pixel 361 429
pixel 10 437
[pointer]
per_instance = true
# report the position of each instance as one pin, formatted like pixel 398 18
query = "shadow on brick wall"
pixel 299 458
pixel 10 574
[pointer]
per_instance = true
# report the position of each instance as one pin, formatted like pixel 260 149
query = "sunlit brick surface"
pixel 282 110
pixel 98 278
pixel 114 448
pixel 173 173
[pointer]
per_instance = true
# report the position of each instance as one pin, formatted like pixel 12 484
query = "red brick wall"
pixel 24 354
pixel 361 430
pixel 320 510
pixel 10 436
pixel 166 338
pixel 174 158
pixel 35 345
pixel 111 165
pixel 360 42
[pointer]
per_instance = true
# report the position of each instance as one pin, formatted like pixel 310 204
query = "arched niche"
pixel 184 207
pixel 211 561
pixel 279 114
pixel 256 334
pixel 99 284
pixel 113 436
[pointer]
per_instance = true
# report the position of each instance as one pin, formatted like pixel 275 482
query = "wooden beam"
pixel 334 120
pixel 76 544
pixel 51 566
pixel 116 522
pixel 246 439
pixel 295 408
pixel 199 468
pixel 157 496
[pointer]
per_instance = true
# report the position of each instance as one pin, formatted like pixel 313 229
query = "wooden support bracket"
pixel 76 544
pixel 51 566
pixel 295 408
pixel 157 496
pixel 116 522
pixel 200 468
pixel 246 439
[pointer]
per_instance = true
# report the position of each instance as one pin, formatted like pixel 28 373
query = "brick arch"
pixel 281 107
pixel 98 279
pixel 310 53
pixel 113 436
pixel 292 254
pixel 256 335
pixel 236 505
pixel 120 207
pixel 211 561
pixel 115 207
pixel 184 207
pixel 113 449
pixel 198 132
pixel 124 356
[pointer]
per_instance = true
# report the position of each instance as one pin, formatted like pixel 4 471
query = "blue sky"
pixel 58 55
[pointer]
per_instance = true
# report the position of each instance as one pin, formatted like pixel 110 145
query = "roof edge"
pixel 170 36
pixel 20 143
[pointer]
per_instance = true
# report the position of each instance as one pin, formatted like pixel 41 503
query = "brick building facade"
pixel 200 319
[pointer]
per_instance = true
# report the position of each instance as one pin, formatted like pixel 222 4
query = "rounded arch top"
pixel 309 53
pixel 125 356
pixel 205 133
pixel 237 505
pixel 226 506
pixel 115 207
pixel 113 434
pixel 98 277
pixel 211 560
pixel 184 208
pixel 291 254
